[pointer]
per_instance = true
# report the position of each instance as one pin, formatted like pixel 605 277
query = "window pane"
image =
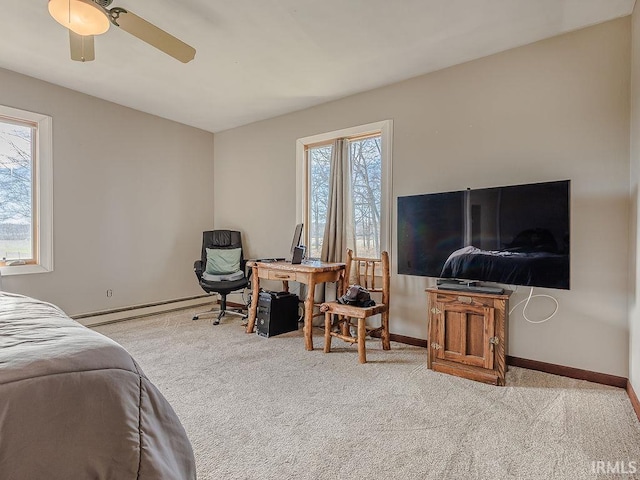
pixel 16 191
pixel 319 167
pixel 366 161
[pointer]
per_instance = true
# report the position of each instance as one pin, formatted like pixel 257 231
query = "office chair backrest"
pixel 221 239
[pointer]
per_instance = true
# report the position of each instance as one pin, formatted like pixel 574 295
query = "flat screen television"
pixel 514 235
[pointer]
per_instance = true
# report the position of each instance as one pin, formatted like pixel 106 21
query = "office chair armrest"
pixel 198 268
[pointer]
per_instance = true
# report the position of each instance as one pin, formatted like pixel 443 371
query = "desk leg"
pixel 254 300
pixel 344 326
pixel 341 284
pixel 308 314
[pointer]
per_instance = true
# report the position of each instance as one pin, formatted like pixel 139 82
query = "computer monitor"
pixel 297 235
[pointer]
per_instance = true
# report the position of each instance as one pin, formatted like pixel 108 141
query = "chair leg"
pixel 213 309
pixel 223 307
pixel 362 333
pixel 327 332
pixel 386 343
pixel 344 325
pixel 221 311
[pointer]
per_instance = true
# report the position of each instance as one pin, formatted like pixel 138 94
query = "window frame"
pixel 42 182
pixel 385 130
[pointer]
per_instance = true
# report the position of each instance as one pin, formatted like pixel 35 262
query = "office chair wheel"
pixel 220 315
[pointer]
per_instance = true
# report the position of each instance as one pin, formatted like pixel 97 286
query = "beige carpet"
pixel 257 408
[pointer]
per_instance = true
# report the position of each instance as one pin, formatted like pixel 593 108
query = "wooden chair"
pixel 367 272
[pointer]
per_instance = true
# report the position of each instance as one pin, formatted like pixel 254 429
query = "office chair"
pixel 221 268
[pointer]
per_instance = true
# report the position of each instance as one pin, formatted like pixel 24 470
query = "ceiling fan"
pixel 86 18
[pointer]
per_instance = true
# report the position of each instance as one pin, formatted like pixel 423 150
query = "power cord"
pixel 527 300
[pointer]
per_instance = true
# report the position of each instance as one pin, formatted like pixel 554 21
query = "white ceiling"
pixel 260 58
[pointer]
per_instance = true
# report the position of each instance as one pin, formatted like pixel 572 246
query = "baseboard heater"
pixel 143 310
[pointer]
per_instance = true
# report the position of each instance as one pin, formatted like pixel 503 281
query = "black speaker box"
pixel 277 313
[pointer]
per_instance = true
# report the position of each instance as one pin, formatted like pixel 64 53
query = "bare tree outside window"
pixel 366 179
pixel 319 169
pixel 16 191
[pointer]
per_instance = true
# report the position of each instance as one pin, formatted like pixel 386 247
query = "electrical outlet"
pixel 109 293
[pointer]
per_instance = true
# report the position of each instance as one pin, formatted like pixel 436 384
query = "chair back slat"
pixel 368 272
pixel 386 278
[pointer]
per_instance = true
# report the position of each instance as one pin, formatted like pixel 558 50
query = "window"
pixel 368 148
pixel 319 163
pixel 366 184
pixel 25 192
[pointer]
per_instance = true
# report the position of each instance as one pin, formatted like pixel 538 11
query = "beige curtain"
pixel 339 231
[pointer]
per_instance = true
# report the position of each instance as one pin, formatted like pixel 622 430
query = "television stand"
pixel 468 334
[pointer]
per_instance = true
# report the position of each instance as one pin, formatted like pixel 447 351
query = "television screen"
pixel 515 235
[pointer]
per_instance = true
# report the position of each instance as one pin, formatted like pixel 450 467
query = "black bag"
pixel 358 296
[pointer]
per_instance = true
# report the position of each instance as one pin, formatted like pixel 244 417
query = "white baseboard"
pixel 137 311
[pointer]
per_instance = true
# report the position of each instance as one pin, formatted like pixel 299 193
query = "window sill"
pixel 23 270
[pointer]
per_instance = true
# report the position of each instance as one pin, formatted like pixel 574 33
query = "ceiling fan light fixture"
pixel 83 17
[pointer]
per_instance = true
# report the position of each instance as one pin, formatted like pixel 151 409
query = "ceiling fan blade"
pixel 147 32
pixel 81 47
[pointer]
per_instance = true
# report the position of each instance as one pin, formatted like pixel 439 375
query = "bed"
pixel 542 269
pixel 75 405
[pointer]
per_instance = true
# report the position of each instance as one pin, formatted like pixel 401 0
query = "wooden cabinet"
pixel 468 334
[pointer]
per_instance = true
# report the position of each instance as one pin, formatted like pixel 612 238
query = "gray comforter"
pixel 75 405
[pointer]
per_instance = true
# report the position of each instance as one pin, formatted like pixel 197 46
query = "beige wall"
pixel 634 295
pixel 132 195
pixel 556 109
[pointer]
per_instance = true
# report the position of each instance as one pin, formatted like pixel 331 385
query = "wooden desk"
pixel 310 274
